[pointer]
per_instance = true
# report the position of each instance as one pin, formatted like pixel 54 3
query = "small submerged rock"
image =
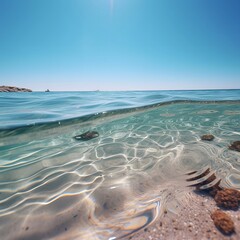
pixel 223 222
pixel 235 146
pixel 228 198
pixel 87 136
pixel 207 137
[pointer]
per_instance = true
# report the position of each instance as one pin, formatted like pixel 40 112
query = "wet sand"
pixel 193 221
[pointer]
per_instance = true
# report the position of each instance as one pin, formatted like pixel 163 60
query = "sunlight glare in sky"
pixel 111 6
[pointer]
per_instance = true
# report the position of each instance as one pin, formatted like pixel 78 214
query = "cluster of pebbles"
pixel 212 207
pixel 193 221
pixel 226 199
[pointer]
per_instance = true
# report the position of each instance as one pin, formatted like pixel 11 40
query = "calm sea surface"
pixel 53 186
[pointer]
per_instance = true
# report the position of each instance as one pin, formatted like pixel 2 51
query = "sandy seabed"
pixel 193 221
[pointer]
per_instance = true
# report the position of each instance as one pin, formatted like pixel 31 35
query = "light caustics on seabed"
pixel 54 186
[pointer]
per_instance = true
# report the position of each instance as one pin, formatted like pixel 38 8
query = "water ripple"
pixel 115 184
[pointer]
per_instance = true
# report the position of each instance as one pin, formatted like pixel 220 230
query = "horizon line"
pixel 139 90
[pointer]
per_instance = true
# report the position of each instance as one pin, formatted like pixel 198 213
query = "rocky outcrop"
pixel 13 89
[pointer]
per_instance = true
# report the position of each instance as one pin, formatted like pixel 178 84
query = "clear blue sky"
pixel 120 44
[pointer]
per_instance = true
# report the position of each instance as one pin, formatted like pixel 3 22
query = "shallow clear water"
pixel 55 187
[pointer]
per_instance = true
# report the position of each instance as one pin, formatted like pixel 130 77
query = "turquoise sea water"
pixel 55 187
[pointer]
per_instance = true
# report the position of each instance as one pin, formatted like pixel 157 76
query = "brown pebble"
pixel 235 146
pixel 228 198
pixel 207 137
pixel 26 228
pixel 223 222
pixel 160 224
pixel 190 225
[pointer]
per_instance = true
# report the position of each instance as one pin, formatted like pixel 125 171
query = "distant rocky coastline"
pixel 13 89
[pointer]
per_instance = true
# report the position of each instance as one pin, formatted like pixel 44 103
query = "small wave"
pixel 66 105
